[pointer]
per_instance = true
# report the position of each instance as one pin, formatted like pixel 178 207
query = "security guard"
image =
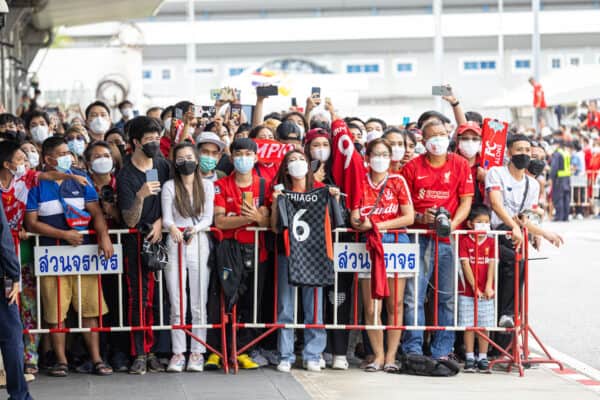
pixel 560 174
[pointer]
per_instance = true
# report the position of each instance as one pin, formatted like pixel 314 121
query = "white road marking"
pixel 567 360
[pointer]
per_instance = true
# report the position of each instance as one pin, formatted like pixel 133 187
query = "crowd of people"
pixel 173 173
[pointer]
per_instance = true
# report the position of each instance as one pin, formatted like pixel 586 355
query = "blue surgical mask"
pixel 243 164
pixel 63 163
pixel 77 146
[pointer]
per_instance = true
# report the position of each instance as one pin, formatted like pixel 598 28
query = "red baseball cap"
pixel 469 126
pixel 316 133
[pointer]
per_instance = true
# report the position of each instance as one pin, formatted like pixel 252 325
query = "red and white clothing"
pixel 267 171
pixel 14 198
pixel 485 254
pixel 438 186
pixel 539 100
pixel 229 196
pixel 593 120
pixel 395 195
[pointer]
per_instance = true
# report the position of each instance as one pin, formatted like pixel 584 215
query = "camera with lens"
pixel 107 194
pixel 441 223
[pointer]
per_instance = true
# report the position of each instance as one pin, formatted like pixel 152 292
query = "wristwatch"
pixel 455 104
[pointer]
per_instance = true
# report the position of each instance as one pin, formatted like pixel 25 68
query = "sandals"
pixel 59 370
pixel 101 369
pixel 31 369
pixel 391 368
pixel 373 367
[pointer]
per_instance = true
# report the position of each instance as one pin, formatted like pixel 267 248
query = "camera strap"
pixel 379 196
pixel 524 194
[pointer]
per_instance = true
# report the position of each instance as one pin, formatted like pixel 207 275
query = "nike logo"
pixel 421 177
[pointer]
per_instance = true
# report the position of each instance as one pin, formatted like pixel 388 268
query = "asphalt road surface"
pixel 564 291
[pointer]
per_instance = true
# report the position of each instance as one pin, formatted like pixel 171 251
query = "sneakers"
pixel 154 365
pixel 469 365
pixel 340 362
pixel 313 366
pixel 322 363
pixel 284 366
pixel 271 355
pixel 213 363
pixel 139 366
pixel 258 358
pixel 195 363
pixel 579 217
pixel 246 362
pixel 506 321
pixel 483 366
pixel 177 363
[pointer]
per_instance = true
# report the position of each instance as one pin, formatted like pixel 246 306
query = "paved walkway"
pixel 269 384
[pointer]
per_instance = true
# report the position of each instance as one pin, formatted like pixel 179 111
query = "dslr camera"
pixel 442 223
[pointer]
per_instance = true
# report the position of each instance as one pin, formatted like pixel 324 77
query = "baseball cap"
pixel 210 137
pixel 288 130
pixel 243 144
pixel 316 133
pixel 469 126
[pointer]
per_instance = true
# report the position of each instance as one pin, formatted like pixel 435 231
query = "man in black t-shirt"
pixel 138 188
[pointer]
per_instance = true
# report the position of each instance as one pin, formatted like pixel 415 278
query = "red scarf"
pixel 379 283
pixel 348 167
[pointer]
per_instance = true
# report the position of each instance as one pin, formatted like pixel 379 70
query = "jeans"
pixel 194 259
pixel 443 341
pixel 314 339
pixel 11 345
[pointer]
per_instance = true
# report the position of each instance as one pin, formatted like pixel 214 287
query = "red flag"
pixel 271 151
pixel 348 168
pixel 494 143
pixel 379 282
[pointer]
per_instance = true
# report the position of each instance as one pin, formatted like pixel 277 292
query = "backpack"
pixel 417 364
pixel 233 266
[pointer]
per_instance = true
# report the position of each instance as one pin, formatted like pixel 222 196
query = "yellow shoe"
pixel 213 362
pixel 246 362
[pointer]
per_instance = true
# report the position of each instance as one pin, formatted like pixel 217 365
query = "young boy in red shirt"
pixel 477 257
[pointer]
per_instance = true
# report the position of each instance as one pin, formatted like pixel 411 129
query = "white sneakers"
pixel 506 321
pixel 340 362
pixel 313 366
pixel 195 363
pixel 284 366
pixel 177 363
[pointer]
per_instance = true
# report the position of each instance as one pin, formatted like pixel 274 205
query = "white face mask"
pixel 469 148
pixel 102 165
pixel 322 153
pixel 298 169
pixel 479 226
pixel 373 135
pixel 419 148
pixel 127 112
pixel 99 125
pixel 39 133
pixel 191 130
pixel 398 153
pixel 438 145
pixel 379 164
pixel 20 171
pixel 34 159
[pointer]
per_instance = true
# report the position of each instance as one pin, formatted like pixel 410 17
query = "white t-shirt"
pixel 499 178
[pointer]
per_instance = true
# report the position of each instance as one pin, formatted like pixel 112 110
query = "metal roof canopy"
pixel 78 12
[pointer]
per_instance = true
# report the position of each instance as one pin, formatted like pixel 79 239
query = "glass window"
pixel 556 63
pixel 404 67
pixel 523 64
pixel 147 74
pixel 166 74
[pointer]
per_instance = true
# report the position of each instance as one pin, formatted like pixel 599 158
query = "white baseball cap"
pixel 210 137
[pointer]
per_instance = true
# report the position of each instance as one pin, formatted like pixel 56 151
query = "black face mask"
pixel 536 167
pixel 520 161
pixel 186 168
pixel 151 149
pixel 358 147
pixel 11 135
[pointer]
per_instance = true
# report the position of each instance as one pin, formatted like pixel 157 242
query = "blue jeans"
pixel 314 339
pixel 11 345
pixel 443 341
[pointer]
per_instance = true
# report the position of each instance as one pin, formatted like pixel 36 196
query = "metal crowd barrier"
pixel 515 355
pixel 63 261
